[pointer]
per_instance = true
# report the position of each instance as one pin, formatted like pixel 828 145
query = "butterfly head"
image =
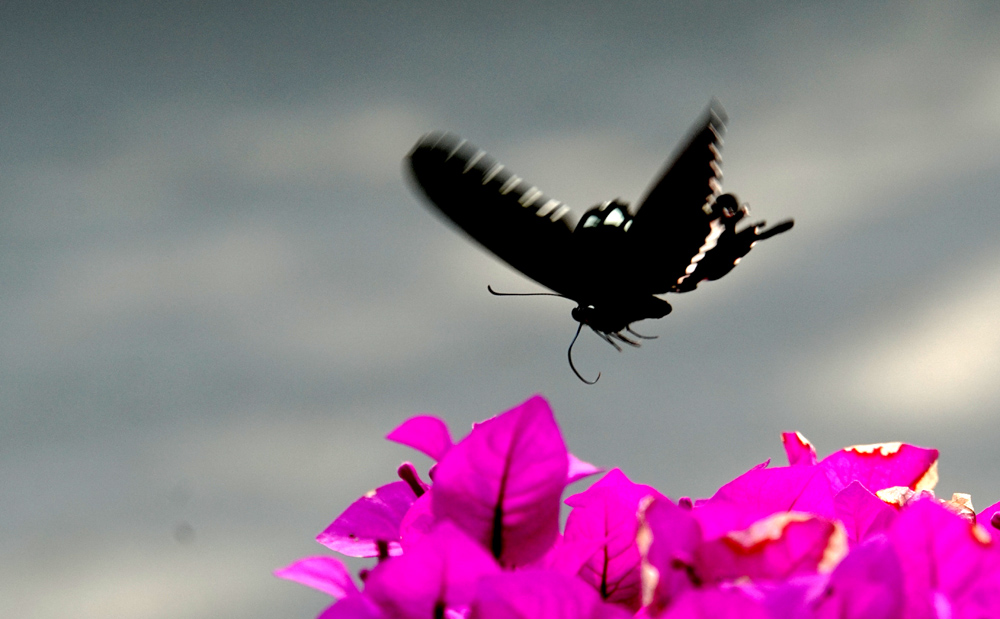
pixel 615 316
pixel 728 207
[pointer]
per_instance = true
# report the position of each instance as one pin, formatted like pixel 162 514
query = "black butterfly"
pixel 615 260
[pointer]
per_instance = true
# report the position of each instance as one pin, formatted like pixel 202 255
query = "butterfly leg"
pixel 608 339
pixel 639 335
pixel 618 336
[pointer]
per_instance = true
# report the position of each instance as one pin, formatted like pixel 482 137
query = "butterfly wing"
pixel 674 226
pixel 504 213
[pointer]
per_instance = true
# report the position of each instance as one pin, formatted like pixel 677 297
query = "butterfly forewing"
pixel 673 225
pixel 500 210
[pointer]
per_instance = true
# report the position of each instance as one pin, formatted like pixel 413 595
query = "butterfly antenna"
pixel 569 353
pixel 524 294
pixel 639 335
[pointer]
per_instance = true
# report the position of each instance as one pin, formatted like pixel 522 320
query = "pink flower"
pixel 502 483
pixel 856 535
pixel 951 567
pixel 370 526
pixel 540 595
pixel 606 515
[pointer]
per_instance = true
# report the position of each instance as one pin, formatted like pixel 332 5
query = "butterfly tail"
pixel 784 226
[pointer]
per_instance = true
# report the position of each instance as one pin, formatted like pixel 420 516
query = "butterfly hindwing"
pixel 673 225
pixel 500 210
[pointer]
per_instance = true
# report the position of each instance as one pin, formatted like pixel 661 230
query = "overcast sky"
pixel 218 292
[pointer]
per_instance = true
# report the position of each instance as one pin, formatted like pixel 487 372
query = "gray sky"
pixel 218 292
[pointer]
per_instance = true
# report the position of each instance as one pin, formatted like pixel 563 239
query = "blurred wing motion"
pixel 675 226
pixel 506 214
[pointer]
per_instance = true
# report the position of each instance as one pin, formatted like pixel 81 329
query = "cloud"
pixel 320 146
pixel 140 578
pixel 900 114
pixel 939 359
pixel 287 456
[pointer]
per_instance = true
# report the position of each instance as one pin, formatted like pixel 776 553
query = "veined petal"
pixel 440 571
pixel 370 522
pixel 861 512
pixel 502 483
pixel 530 594
pixel 607 513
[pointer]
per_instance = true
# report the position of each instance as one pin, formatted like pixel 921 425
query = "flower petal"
pixel 326 574
pixel 798 448
pixel 578 469
pixel 530 594
pixel 567 557
pixel 369 522
pixel 424 433
pixel 502 483
pixel 418 522
pixel 668 538
pixel 990 521
pixel 868 584
pixel 440 571
pixel 947 563
pixel 607 514
pixel 760 492
pixel 861 512
pixel 777 547
pixel 882 466
pixel 715 603
pixel 352 607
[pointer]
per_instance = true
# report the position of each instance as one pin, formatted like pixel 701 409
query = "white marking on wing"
pixel 512 182
pixel 455 150
pixel 559 212
pixel 547 208
pixel 473 161
pixel 492 172
pixel 717 228
pixel 530 196
pixel 614 218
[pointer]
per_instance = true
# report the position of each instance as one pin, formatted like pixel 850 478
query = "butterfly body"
pixel 615 259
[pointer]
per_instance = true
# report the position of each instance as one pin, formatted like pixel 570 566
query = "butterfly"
pixel 614 260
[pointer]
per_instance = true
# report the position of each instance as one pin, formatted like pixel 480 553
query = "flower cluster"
pixel 858 534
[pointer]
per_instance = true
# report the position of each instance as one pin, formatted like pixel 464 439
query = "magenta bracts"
pixel 856 535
